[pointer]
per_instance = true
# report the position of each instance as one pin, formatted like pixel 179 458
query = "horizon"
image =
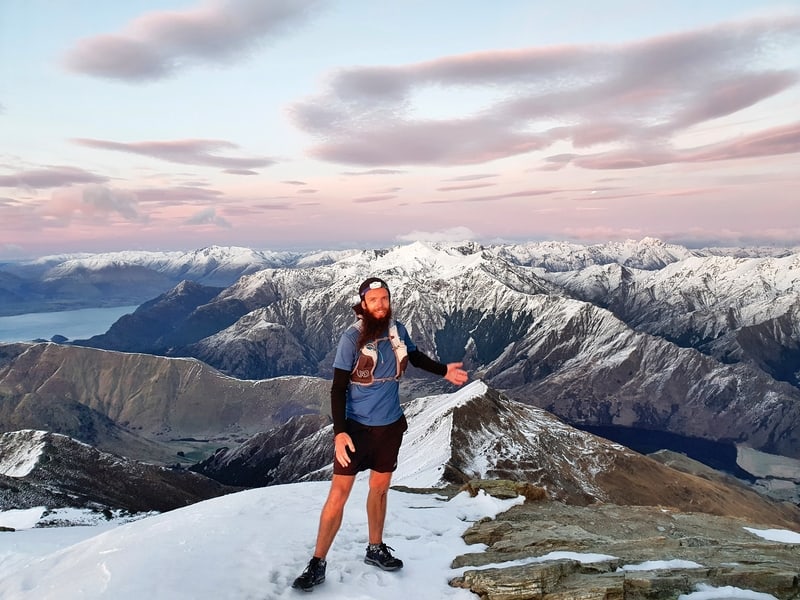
pixel 175 124
pixel 397 244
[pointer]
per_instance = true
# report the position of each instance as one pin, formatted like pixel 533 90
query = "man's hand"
pixel 455 374
pixel 341 443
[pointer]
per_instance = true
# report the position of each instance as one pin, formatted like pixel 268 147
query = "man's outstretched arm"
pixel 451 371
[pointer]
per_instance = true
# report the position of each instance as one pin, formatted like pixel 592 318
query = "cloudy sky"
pixel 289 124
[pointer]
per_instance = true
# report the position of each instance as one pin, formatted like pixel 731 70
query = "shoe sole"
pixel 375 563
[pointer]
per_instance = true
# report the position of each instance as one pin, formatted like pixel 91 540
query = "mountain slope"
pixel 587 367
pixel 734 309
pixel 39 468
pixel 125 403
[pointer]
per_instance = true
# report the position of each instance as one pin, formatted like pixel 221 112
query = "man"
pixel 368 421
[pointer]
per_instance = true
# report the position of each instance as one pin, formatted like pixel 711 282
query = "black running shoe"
pixel 313 575
pixel 379 555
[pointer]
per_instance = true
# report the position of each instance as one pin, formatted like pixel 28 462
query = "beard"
pixel 373 327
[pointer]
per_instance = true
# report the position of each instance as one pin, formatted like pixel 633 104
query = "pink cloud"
pixel 240 172
pixel 189 152
pixel 769 142
pixel 375 172
pixel 242 210
pixel 466 186
pixel 49 177
pixel 160 43
pixel 207 216
pixel 370 199
pixel 508 195
pixel 724 97
pixel 473 177
pixel 173 196
pixel 617 94
pixel 440 142
pixel 778 140
pixel 92 203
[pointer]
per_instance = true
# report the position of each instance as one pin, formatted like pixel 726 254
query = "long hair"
pixel 371 328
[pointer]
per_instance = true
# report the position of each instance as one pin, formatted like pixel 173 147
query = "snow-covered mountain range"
pixel 225 368
pixel 72 281
pixel 700 346
pixel 83 280
pixel 640 335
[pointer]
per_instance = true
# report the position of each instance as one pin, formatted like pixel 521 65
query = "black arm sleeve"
pixel 424 362
pixel 341 379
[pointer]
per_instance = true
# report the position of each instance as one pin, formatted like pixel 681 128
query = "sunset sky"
pixel 303 124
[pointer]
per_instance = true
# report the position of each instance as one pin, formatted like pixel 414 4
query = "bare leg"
pixel 376 504
pixel 331 518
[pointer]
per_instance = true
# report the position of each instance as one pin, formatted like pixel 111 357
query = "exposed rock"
pixel 255 346
pixel 725 552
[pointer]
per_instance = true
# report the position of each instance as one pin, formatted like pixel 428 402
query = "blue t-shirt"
pixel 379 403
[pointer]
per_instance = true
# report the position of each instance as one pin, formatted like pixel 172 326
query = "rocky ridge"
pixel 39 468
pixel 477 432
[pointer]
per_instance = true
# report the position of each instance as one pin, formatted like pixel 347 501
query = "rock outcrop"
pixel 549 550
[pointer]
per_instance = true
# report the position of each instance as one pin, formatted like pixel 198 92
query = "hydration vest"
pixel 362 373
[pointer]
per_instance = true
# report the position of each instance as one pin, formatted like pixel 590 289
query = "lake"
pixel 72 324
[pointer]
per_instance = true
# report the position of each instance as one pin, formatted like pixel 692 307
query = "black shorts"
pixel 377 447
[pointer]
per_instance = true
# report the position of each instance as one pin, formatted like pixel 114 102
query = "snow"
pixel 194 262
pixel 707 592
pixel 651 565
pixel 20 459
pixel 776 535
pixel 252 544
pixel 21 518
pixel 581 557
pixel 427 445
pixel 248 545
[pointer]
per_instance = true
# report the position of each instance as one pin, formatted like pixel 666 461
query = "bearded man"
pixel 368 421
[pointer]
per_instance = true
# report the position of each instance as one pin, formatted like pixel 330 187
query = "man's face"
pixel 376 303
